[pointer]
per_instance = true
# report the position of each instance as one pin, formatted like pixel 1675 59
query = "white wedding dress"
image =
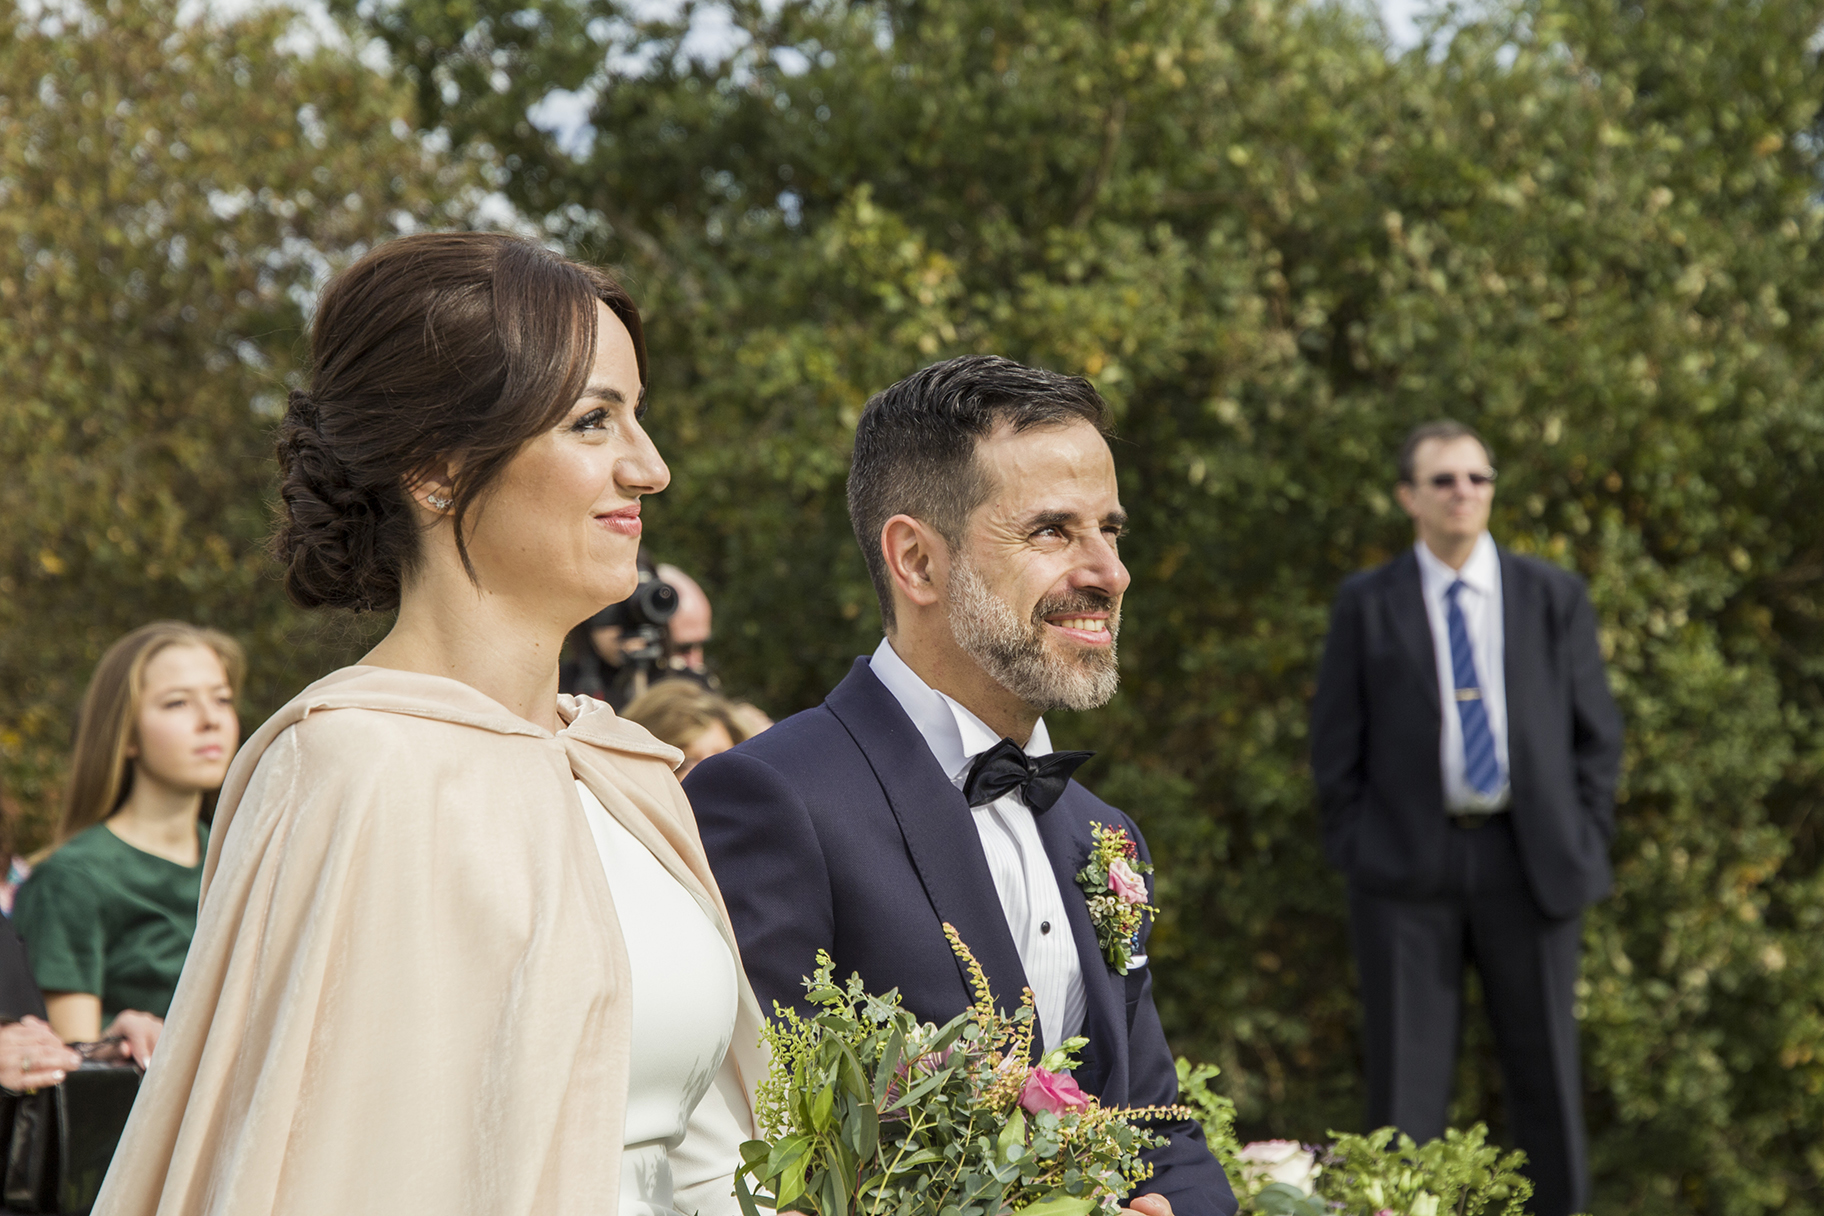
pixel 684 1000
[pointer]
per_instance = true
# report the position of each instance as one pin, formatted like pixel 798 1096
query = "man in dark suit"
pixel 924 790
pixel 1466 750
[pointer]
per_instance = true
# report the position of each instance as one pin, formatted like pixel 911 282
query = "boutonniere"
pixel 1113 880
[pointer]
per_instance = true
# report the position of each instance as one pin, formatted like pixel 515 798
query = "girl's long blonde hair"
pixel 101 773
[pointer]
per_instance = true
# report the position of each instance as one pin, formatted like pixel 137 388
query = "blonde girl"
pixel 109 914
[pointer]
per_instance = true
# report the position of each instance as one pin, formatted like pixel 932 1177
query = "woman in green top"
pixel 109 915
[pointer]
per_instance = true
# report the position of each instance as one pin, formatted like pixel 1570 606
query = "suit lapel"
pixel 1412 623
pixel 1520 623
pixel 938 827
pixel 1065 829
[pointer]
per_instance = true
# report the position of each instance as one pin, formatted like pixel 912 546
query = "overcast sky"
pixel 1399 15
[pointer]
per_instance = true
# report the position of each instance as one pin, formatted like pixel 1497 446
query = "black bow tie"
pixel 1006 766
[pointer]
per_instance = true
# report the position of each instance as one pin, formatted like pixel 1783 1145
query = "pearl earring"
pixel 437 502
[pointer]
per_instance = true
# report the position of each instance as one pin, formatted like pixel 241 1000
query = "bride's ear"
pixel 434 490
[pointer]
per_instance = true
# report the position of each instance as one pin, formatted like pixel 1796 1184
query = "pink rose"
pixel 1052 1091
pixel 1125 883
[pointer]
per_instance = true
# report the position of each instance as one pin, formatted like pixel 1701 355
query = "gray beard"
pixel 1013 651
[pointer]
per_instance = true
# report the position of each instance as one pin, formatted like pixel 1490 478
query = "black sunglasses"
pixel 1444 481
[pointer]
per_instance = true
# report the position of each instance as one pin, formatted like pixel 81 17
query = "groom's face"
pixel 1035 592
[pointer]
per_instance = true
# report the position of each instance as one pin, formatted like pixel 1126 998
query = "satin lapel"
pixel 1412 623
pixel 937 825
pixel 1066 833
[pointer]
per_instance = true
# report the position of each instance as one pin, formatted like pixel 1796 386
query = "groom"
pixel 924 790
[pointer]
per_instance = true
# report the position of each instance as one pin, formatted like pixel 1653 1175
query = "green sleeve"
pixel 58 913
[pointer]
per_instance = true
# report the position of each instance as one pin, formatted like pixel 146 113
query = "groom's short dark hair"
pixel 915 445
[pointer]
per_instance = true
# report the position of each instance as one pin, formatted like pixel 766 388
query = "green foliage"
pixel 1283 1199
pixel 1460 1175
pixel 865 1111
pixel 170 193
pixel 1586 227
pixel 1365 1175
pixel 1214 1112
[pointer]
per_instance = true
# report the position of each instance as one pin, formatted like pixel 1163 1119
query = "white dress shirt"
pixel 1480 601
pixel 1023 877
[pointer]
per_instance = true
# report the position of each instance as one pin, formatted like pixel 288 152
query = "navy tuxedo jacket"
pixel 837 830
pixel 1376 718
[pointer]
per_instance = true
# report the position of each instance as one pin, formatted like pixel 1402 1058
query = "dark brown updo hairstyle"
pixel 442 346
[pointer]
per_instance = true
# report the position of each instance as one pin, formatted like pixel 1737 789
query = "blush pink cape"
pixel 408 990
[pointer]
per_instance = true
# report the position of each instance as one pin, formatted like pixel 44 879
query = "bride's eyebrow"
pixel 604 392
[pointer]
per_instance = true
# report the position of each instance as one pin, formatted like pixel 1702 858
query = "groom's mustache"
pixel 1079 602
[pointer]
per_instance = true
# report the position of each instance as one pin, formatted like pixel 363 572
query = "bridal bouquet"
pixel 868 1112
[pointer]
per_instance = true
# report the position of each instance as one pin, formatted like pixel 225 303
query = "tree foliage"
pixel 170 193
pixel 1586 227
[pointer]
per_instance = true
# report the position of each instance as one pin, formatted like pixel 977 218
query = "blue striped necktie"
pixel 1481 767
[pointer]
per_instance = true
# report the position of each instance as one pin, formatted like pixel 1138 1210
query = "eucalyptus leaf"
pixel 1060 1205
pixel 889 1061
pixel 1013 1136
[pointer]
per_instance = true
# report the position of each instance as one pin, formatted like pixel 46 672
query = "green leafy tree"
pixel 170 195
pixel 1585 227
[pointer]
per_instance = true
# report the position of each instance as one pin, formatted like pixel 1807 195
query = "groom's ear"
pixel 918 560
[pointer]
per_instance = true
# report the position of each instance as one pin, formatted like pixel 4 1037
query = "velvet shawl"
pixel 408 989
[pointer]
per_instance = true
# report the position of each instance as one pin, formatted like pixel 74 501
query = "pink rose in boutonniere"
pixel 1115 884
pixel 1053 1091
pixel 1125 883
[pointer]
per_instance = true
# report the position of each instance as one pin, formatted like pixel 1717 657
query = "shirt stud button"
pixel 1045 926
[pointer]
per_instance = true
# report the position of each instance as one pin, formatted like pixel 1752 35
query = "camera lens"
pixel 652 604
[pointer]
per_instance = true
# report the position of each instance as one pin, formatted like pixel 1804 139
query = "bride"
pixel 459 948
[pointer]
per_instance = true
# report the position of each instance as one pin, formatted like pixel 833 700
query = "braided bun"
pixel 343 544
pixel 441 350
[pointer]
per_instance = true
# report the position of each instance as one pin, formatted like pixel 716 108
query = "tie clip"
pixel 1469 694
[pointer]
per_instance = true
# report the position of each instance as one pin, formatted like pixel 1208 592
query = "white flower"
pixel 1285 1161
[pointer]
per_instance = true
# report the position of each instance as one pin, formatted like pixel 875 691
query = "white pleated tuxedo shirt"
pixel 1023 877
pixel 1480 601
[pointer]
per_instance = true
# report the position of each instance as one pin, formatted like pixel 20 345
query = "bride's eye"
pixel 594 420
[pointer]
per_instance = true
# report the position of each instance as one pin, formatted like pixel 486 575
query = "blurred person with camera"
pixel 1466 750
pixel 689 630
pixel 615 654
pixel 459 950
pixel 109 913
pixel 656 635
